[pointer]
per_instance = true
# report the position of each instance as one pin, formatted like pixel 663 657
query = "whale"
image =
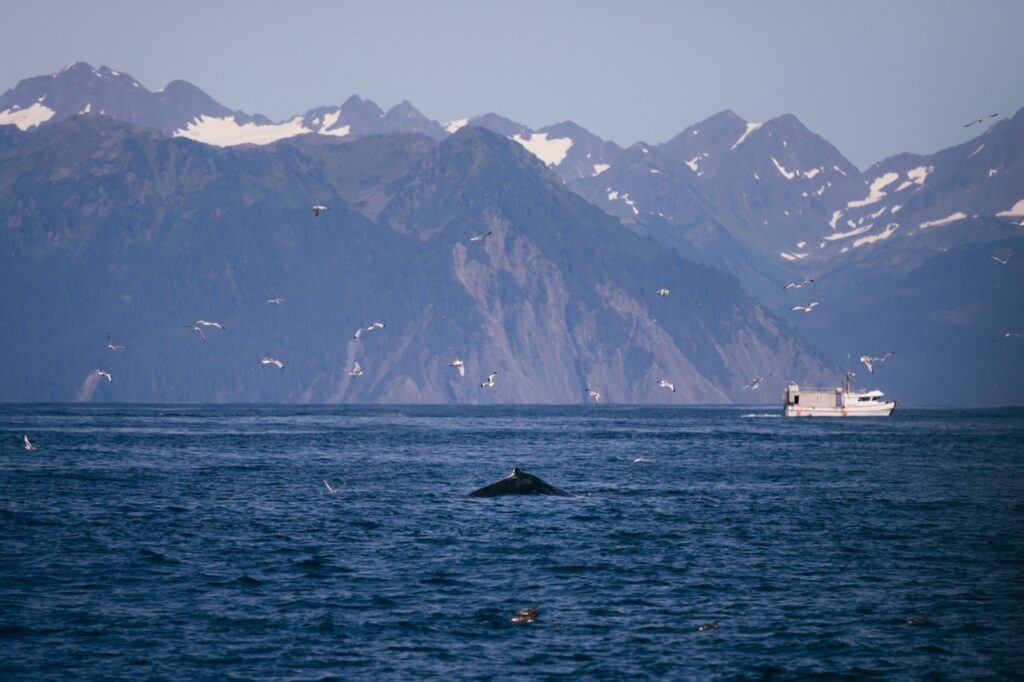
pixel 519 483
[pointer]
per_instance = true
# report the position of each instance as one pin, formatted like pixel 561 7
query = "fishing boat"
pixel 835 402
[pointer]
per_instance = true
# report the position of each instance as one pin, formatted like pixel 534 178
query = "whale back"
pixel 519 483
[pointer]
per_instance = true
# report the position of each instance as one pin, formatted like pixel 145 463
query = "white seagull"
pixel 805 308
pixel 209 323
pixel 596 395
pixel 665 383
pixel 798 285
pixel 481 237
pixel 272 361
pixel 641 460
pixel 275 301
pixel 372 327
pixel 27 442
pixel 331 489
pixel 113 346
pixel 663 292
pixel 756 382
pixel 317 209
pixel 357 371
pixel 979 120
pixel 1007 335
pixel 1004 261
pixel 460 364
pixel 869 361
pixel 490 380
pixel 197 329
pixel 101 373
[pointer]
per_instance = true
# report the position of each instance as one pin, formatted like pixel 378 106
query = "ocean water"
pixel 198 542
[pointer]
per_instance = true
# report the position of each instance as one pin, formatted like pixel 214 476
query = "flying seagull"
pixel 798 285
pixel 372 327
pixel 481 237
pixel 756 382
pixel 357 371
pixel 101 373
pixel 869 361
pixel 331 489
pixel 490 380
pixel 460 364
pixel 275 301
pixel 209 323
pixel 1007 335
pixel 641 460
pixel 113 346
pixel 979 120
pixel 317 209
pixel 27 442
pixel 663 292
pixel 805 308
pixel 272 361
pixel 596 395
pixel 665 383
pixel 1004 261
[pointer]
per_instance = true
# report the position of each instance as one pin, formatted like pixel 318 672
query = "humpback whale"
pixel 519 483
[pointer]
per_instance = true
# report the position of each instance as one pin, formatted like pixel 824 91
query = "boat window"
pixel 796 399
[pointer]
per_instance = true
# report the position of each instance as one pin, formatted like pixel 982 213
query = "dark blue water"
pixel 199 542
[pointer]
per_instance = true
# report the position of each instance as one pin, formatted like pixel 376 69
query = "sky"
pixel 872 77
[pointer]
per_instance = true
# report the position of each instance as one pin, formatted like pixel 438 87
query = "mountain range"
pixel 115 197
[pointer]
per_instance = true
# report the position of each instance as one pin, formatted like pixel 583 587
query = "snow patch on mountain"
pixel 953 217
pixel 846 235
pixel 789 175
pixel 793 256
pixel 916 176
pixel 811 173
pixel 551 152
pixel 226 132
pixel 872 238
pixel 875 192
pixel 992 171
pixel 26 118
pixel 836 215
pixel 751 127
pixel 453 126
pixel 1016 212
pixel 976 150
pixel 86 109
pixel 600 168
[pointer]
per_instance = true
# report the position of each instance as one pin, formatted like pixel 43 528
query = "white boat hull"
pixel 879 410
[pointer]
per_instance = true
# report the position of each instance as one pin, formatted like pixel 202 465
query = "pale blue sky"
pixel 873 77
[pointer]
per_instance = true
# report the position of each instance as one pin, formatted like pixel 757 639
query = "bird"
pixel 1004 261
pixel 481 237
pixel 272 361
pixel 918 620
pixel 460 365
pixel 869 361
pixel 756 382
pixel 798 285
pixel 1007 335
pixel 331 489
pixel 805 308
pixel 663 292
pixel 704 627
pixel 525 616
pixel 209 323
pixel 979 120
pixel 27 442
pixel 641 460
pixel 197 329
pixel 373 326
pixel 275 301
pixel 113 346
pixel 357 371
pixel 490 380
pixel 101 373
pixel 665 383
pixel 596 395
pixel 317 209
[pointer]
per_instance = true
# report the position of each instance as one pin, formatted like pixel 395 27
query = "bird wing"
pixel 462 370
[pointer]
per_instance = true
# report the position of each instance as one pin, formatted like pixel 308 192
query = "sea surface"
pixel 199 542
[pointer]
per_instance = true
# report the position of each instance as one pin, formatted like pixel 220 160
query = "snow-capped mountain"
pixel 183 110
